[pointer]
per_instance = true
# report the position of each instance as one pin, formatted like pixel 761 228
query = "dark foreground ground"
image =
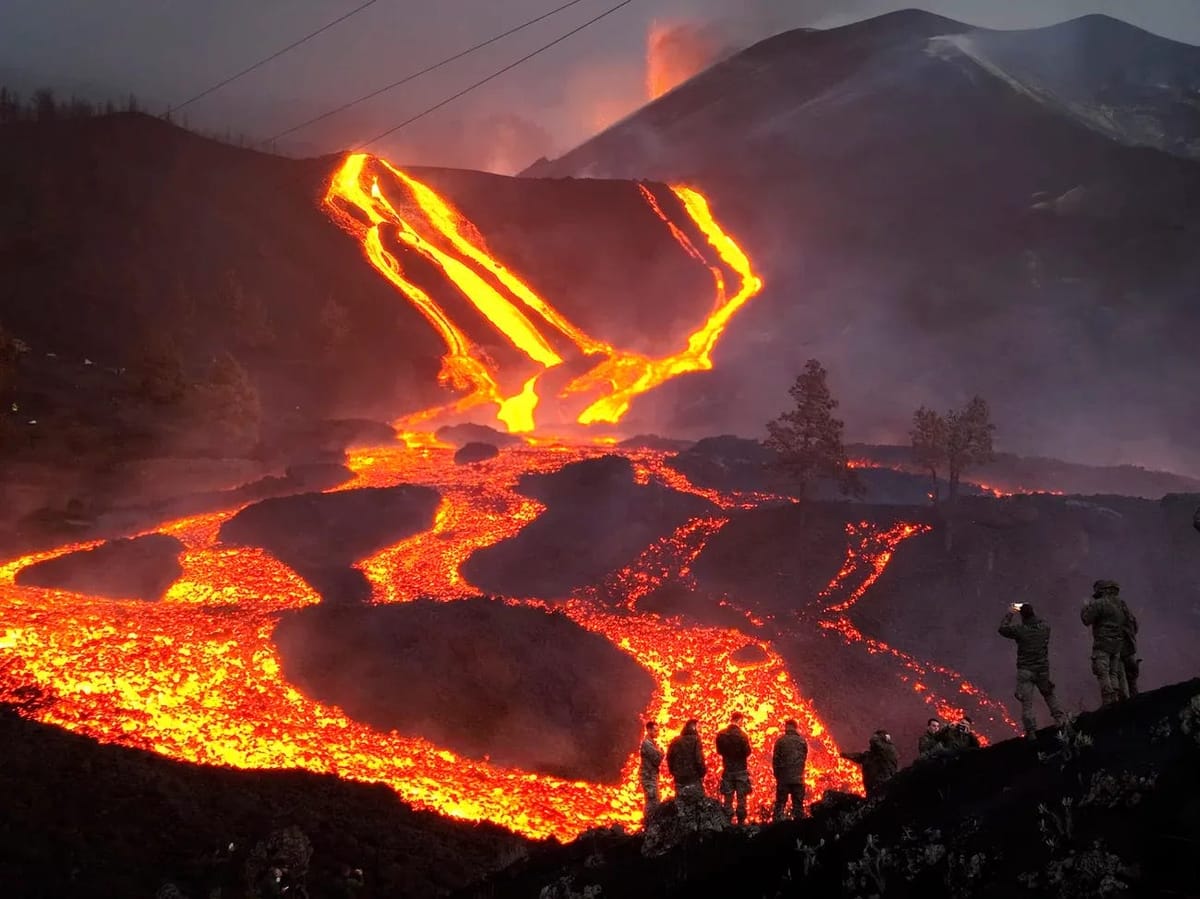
pixel 1111 809
pixel 78 819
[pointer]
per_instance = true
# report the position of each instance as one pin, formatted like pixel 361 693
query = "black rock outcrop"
pixel 126 568
pixel 475 452
pixel 320 535
pixel 1107 807
pixel 597 520
pixel 525 687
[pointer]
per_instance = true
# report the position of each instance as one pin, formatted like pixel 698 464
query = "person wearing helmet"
pixel 1103 615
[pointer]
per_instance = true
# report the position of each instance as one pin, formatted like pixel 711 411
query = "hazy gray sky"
pixel 167 50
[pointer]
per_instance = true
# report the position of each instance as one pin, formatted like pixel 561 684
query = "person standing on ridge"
pixel 734 748
pixel 879 763
pixel 1131 665
pixel 1104 616
pixel 652 758
pixel 787 761
pixel 685 759
pixel 1032 636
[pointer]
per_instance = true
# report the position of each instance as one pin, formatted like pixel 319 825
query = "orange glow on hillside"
pixel 674 53
pixel 197 677
pixel 385 207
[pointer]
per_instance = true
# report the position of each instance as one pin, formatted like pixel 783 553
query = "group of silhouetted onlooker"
pixel 1114 652
pixel 686 764
pixel 1114 663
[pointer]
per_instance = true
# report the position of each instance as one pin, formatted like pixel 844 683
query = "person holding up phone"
pixel 1032 636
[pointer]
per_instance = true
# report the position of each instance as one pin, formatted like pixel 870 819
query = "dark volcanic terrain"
pixel 938 210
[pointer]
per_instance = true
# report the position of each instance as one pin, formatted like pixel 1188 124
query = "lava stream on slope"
pixel 197 677
pixel 389 210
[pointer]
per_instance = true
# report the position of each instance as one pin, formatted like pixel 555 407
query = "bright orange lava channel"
pixel 386 209
pixel 197 676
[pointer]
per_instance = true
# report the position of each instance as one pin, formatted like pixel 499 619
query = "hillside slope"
pixel 104 821
pixel 1110 809
pixel 930 229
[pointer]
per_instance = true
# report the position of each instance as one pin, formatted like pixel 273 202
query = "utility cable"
pixel 275 55
pixel 483 81
pixel 424 71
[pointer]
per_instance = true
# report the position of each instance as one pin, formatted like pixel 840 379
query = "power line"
pixel 424 71
pixel 275 55
pixel 483 81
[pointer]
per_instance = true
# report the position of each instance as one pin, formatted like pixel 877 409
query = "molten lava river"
pixel 197 677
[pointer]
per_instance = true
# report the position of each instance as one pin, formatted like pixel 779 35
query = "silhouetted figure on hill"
pixel 788 760
pixel 879 763
pixel 1032 636
pixel 734 748
pixel 933 741
pixel 1131 665
pixel 685 759
pixel 1102 613
pixel 652 758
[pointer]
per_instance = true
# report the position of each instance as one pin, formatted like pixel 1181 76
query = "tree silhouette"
pixel 968 440
pixel 958 441
pixel 808 439
pixel 928 436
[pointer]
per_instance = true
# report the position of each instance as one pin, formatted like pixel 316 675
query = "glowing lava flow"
pixel 425 223
pixel 197 677
pixel 868 552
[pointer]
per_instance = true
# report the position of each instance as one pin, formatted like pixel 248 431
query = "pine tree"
pixel 808 439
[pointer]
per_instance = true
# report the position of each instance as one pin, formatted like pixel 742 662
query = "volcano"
pixel 948 210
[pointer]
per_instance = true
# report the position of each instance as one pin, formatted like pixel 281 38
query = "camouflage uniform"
pixel 1130 664
pixel 1103 615
pixel 932 743
pixel 685 760
pixel 734 748
pixel 652 758
pixel 959 737
pixel 879 762
pixel 1033 668
pixel 787 760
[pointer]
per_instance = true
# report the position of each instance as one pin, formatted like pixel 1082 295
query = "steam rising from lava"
pixel 677 51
